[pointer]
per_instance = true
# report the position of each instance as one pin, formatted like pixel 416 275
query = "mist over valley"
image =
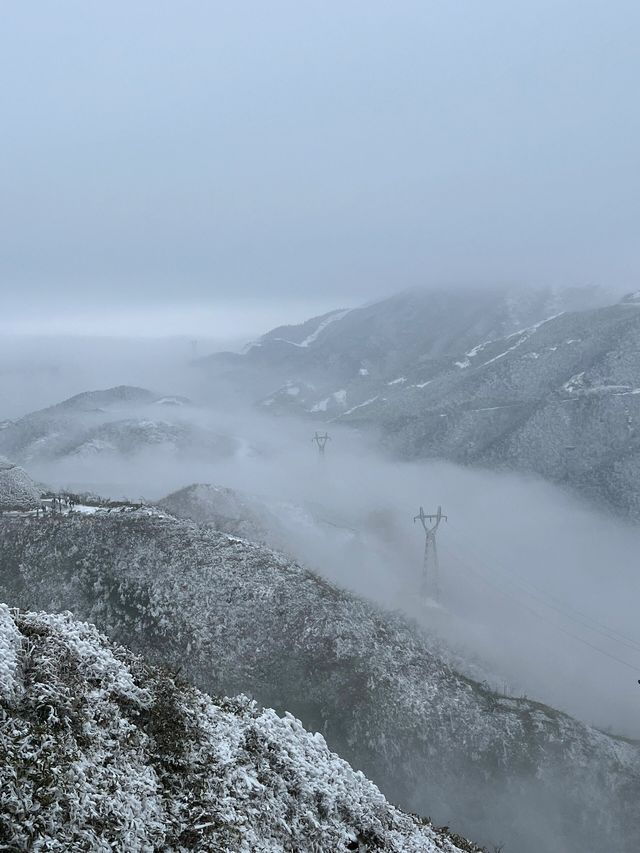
pixel 320 428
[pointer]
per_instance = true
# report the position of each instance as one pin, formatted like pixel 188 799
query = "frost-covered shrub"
pixel 100 752
pixel 17 489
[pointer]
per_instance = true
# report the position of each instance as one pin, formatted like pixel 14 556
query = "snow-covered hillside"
pixel 121 421
pixel 537 381
pixel 561 398
pixel 240 618
pixel 380 337
pixel 17 489
pixel 101 752
pixel 227 510
pixel 298 529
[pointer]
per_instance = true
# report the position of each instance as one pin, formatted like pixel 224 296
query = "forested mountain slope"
pixel 382 337
pixel 562 400
pixel 101 752
pixel 511 381
pixel 238 617
pixel 227 510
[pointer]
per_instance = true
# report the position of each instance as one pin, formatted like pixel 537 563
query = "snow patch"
pixel 339 397
pixel 323 325
pixel 169 401
pixel 338 315
pixel 524 335
pixel 575 383
pixel 360 406
pixel 473 352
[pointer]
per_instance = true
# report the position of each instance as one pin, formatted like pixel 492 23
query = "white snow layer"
pixel 322 326
pixel 524 335
pixel 338 315
pixel 339 397
pixel 360 405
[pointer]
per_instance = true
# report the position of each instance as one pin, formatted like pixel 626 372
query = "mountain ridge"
pixel 123 420
pixel 558 396
pixel 238 616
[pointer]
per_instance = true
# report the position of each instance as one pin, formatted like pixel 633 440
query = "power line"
pixel 541 616
pixel 562 607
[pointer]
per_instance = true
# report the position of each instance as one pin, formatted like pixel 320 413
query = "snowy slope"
pixel 17 489
pixel 238 617
pixel 542 381
pixel 122 421
pixel 101 752
pixel 381 338
pixel 373 344
pixel 311 330
pixel 561 398
pixel 276 524
pixel 227 510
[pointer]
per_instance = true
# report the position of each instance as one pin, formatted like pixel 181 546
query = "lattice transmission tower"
pixel 430 582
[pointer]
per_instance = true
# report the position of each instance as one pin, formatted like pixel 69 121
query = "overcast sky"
pixel 230 163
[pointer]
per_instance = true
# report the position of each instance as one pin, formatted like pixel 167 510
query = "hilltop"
pixel 120 421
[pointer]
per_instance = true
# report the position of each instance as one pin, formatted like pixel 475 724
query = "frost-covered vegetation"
pixel 240 618
pixel 225 509
pixel 17 489
pixel 101 752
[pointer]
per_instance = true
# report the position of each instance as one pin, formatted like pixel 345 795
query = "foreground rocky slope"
pixel 99 751
pixel 238 617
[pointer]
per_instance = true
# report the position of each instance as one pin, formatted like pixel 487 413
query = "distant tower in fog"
pixel 194 349
pixel 430 585
pixel 321 441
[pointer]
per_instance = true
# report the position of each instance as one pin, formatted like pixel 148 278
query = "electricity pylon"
pixel 430 585
pixel 321 441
